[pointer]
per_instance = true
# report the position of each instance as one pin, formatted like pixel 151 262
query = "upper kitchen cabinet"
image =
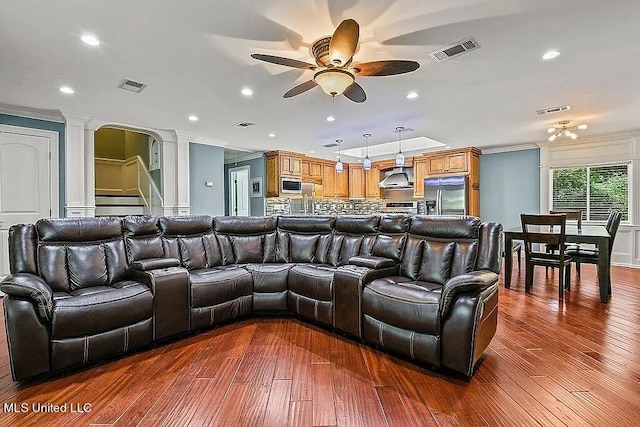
pixel 420 172
pixel 464 161
pixel 372 182
pixel 311 170
pixel 452 161
pixel 281 164
pixel 356 182
pixel 335 184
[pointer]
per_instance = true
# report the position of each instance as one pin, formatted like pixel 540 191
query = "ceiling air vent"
pixel 330 145
pixel 243 124
pixel 454 50
pixel 554 110
pixel 132 85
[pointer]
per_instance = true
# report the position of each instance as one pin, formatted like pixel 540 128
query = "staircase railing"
pixel 137 174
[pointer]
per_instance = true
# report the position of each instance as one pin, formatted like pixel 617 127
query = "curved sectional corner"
pixel 87 289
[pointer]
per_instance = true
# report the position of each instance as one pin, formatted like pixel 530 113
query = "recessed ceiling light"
pixel 550 55
pixel 412 95
pixel 66 89
pixel 311 152
pixel 193 118
pixel 246 91
pixel 272 135
pixel 90 40
pixel 330 119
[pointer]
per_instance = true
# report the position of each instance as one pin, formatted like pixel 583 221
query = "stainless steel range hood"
pixel 398 178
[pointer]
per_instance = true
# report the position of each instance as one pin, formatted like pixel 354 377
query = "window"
pixel 596 190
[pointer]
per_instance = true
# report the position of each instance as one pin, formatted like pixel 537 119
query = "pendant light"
pixel 400 156
pixel 339 164
pixel 366 163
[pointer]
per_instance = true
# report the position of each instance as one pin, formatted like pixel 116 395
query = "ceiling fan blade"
pixel 344 42
pixel 385 68
pixel 287 62
pixel 355 93
pixel 301 88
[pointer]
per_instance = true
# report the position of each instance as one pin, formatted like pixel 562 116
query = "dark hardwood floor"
pixel 574 362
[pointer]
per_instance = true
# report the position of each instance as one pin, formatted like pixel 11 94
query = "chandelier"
pixel 563 129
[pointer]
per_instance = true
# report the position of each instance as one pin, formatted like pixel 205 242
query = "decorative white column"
pixel 76 189
pixel 89 172
pixel 175 173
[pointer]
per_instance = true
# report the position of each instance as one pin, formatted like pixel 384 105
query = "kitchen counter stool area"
pixel 82 290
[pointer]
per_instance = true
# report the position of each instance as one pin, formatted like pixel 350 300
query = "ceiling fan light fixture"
pixel 582 126
pixel 334 81
pixel 551 130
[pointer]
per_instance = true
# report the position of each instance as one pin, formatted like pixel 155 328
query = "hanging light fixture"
pixel 400 156
pixel 563 129
pixel 366 163
pixel 339 164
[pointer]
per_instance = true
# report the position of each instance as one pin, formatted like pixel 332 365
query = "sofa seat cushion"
pixel 404 303
pixel 212 286
pixel 312 280
pixel 90 311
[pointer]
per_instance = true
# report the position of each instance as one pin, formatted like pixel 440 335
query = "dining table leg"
pixel 508 259
pixel 604 270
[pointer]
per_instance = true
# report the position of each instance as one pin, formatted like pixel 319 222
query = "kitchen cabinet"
pixel 311 170
pixel 372 181
pixel 464 161
pixel 335 184
pixel 420 172
pixel 281 164
pixel 290 165
pixel 356 182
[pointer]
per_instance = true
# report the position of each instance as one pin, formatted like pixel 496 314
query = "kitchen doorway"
pixel 239 191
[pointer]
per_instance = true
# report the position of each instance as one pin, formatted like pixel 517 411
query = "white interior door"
pixel 27 182
pixel 239 191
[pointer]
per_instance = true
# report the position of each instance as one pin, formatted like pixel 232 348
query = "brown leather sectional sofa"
pixel 86 289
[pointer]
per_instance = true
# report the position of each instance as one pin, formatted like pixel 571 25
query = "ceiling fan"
pixel 335 71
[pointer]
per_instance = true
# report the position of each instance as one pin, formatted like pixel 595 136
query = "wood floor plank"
pixel 573 362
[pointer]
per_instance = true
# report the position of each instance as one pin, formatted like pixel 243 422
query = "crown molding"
pixel 244 157
pixel 507 148
pixel 208 141
pixel 32 113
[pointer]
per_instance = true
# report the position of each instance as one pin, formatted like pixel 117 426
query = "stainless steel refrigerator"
pixel 446 196
pixel 305 205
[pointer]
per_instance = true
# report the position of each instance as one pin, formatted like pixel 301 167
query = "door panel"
pixel 25 190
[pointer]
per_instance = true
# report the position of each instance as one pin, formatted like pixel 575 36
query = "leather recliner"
pixel 88 289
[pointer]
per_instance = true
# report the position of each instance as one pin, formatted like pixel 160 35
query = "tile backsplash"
pixel 282 206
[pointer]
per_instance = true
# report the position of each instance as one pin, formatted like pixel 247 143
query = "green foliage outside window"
pixel 595 190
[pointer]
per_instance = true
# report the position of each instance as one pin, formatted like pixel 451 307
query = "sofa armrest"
pixel 474 281
pixel 170 288
pixel 154 264
pixel 348 283
pixel 32 288
pixel 373 262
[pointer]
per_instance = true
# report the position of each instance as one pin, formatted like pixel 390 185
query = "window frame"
pixel 630 188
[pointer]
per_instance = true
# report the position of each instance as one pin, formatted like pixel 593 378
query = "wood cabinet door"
pixel 372 181
pixel 273 177
pixel 329 180
pixel 342 183
pixel 306 169
pixel 437 164
pixel 457 162
pixel 356 182
pixel 295 165
pixel 420 172
pixel 315 169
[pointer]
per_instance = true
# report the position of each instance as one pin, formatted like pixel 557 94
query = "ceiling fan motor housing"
pixel 320 51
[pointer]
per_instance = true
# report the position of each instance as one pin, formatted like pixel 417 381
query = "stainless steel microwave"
pixel 291 185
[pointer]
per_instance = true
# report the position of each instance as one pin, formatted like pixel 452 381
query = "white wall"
pixel 613 148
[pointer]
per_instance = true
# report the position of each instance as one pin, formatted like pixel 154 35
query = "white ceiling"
pixel 195 57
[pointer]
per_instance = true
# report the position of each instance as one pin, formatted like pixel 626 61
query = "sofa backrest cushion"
pixel 392 236
pixel 246 239
pixel 142 238
pixel 81 252
pixel 490 247
pixel 183 237
pixel 440 247
pixel 304 238
pixel 354 235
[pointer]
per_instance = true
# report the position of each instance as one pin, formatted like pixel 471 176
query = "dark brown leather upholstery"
pixel 86 289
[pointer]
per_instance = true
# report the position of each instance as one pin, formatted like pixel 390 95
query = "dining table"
pixel 588 234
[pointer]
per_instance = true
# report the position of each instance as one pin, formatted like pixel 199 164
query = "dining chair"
pixel 516 248
pixel 548 230
pixel 581 255
pixel 572 215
